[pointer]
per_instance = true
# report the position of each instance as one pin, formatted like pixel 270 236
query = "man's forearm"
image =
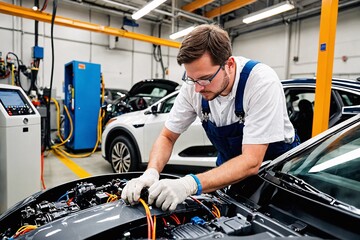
pixel 162 149
pixel 160 154
pixel 234 170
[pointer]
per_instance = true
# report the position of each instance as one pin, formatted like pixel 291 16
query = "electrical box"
pixel 37 52
pixel 82 98
pixel 20 147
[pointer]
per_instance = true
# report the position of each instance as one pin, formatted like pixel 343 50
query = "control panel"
pixel 14 102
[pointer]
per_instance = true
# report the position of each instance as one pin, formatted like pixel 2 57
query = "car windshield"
pixel 332 167
pixel 153 92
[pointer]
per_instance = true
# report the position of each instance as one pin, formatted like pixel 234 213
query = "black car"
pixel 140 96
pixel 310 192
pixel 300 99
pixel 111 94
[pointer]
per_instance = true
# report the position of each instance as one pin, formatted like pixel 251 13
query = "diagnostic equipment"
pixel 20 146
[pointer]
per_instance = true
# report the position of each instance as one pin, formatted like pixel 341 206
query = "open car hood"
pixel 87 209
pixel 146 86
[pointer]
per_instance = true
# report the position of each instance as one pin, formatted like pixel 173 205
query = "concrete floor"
pixel 61 169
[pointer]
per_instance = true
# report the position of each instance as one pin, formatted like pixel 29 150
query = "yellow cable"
pixel 21 228
pixel 87 154
pixel 216 211
pixel 71 130
pixel 112 197
pixel 99 128
pixel 57 118
pixel 102 90
pixel 148 215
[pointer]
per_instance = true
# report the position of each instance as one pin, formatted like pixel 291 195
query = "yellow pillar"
pixel 328 19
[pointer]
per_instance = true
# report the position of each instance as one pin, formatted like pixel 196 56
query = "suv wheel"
pixel 122 155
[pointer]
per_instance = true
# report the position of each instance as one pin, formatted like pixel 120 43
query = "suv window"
pixel 349 99
pixel 300 106
pixel 168 104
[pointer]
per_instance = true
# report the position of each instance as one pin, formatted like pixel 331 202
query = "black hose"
pixel 158 55
pixel 47 127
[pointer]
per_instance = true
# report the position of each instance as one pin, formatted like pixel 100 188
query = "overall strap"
pixel 205 109
pixel 244 75
pixel 205 106
pixel 239 110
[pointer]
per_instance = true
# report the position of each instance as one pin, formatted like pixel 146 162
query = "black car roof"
pixel 336 82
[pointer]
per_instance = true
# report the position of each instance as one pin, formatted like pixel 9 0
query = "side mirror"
pixel 352 110
pixel 153 110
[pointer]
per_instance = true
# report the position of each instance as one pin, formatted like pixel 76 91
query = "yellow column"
pixel 328 19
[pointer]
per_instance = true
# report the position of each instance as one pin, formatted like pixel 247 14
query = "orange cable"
pixel 42 171
pixel 154 229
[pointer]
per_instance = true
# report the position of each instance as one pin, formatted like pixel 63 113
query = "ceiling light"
pixel 268 12
pixel 181 33
pixel 147 8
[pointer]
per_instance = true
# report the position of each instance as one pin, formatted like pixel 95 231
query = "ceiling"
pixel 229 13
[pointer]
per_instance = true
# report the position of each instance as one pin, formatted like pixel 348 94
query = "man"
pixel 242 107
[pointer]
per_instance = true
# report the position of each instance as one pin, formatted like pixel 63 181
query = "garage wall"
pixel 278 46
pixel 125 62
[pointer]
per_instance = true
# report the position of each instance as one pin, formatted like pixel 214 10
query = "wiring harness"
pixel 197 216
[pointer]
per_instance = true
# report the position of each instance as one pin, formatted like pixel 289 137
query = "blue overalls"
pixel 228 139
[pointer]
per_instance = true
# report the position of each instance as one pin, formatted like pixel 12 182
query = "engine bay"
pixel 92 209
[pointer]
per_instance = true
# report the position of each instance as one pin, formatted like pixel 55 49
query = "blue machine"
pixel 82 98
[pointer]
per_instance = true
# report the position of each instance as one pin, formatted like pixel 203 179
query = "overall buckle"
pixel 241 116
pixel 205 117
pixel 241 119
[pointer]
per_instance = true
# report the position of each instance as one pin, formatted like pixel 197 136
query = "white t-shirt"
pixel 266 118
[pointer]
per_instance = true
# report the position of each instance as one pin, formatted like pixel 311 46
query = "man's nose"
pixel 198 87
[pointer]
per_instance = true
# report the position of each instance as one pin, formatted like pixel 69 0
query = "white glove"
pixel 132 190
pixel 170 192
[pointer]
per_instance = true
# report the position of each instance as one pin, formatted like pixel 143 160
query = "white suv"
pixel 128 139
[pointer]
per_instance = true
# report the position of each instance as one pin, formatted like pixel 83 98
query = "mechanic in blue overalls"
pixel 242 107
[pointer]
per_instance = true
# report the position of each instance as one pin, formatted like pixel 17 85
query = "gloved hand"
pixel 132 190
pixel 170 192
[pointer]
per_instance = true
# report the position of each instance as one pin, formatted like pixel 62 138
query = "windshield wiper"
pixel 290 181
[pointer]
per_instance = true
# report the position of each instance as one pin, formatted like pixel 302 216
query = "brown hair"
pixel 205 38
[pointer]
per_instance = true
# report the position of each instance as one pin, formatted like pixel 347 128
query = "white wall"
pixel 126 63
pixel 129 61
pixel 277 46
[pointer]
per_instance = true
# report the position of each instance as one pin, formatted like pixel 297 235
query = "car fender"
pixel 118 131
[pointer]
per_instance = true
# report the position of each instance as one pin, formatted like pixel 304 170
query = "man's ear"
pixel 230 64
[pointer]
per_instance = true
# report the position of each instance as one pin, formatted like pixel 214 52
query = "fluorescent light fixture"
pixel 147 8
pixel 268 12
pixel 181 33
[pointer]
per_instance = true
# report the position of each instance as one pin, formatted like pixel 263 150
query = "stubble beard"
pixel 209 95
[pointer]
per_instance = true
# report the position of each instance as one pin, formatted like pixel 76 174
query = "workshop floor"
pixel 59 169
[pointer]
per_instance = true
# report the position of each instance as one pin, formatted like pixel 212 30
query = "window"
pixel 332 166
pixel 168 104
pixel 349 99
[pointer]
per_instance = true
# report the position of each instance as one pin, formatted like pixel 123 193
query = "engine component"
pixel 92 209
